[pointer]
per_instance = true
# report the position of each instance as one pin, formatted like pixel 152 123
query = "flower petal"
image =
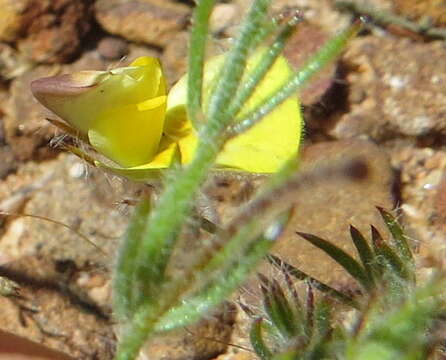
pixel 264 147
pixel 149 172
pixel 129 135
pixel 80 97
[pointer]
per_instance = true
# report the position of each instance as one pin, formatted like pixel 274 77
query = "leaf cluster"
pixel 393 317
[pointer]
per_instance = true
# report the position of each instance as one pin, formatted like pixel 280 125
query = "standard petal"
pixel 267 145
pixel 263 148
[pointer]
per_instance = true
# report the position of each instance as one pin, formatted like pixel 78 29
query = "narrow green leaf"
pixel 292 290
pixel 123 287
pixel 235 62
pixel 402 329
pixel 397 265
pixel 243 238
pixel 341 257
pixel 278 308
pixel 310 305
pixel 257 342
pixel 300 275
pixel 258 73
pixel 192 309
pixel 197 49
pixel 324 56
pixel 365 253
pixel 323 318
pixel 398 237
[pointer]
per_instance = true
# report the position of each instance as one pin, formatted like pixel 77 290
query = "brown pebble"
pixel 440 199
pixel 112 48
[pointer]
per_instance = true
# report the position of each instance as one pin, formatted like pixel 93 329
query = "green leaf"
pixel 235 62
pixel 257 342
pixel 365 253
pixel 123 288
pixel 402 330
pixel 217 282
pixel 197 49
pixel 315 64
pixel 323 318
pixel 261 69
pixel 398 237
pixel 342 258
pixel 300 275
pixel 278 308
pixel 390 257
pixel 213 294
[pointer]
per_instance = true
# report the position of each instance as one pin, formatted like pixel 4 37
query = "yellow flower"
pixel 125 115
pixel 121 111
pixel 264 147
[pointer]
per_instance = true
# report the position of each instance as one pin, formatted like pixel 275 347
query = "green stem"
pixel 137 333
pixel 235 63
pixel 123 288
pixel 175 203
pixel 385 18
pixel 326 54
pixel 266 62
pixel 197 49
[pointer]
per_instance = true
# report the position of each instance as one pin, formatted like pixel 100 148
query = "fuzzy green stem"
pixel 197 49
pixel 266 62
pixel 123 288
pixel 385 18
pixel 175 203
pixel 326 54
pixel 212 295
pixel 235 63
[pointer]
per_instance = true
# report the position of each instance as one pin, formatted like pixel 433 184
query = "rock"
pixel 48 312
pixel 11 26
pixel 46 31
pixel 222 17
pixel 112 48
pixel 440 201
pixel 153 22
pixel 321 13
pixel 77 201
pixel 81 200
pixel 8 163
pixel 422 194
pixel 12 63
pixel 418 10
pixel 137 50
pixel 395 89
pixel 26 130
pixel 329 209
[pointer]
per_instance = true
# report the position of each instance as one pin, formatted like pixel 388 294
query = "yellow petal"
pixel 121 110
pixel 149 172
pixel 129 135
pixel 80 97
pixel 263 148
